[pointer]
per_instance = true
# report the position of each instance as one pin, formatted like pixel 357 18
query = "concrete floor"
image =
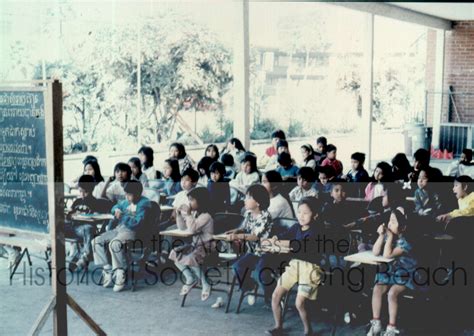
pixel 151 309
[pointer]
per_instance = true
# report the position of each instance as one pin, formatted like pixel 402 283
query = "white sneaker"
pixel 347 318
pixel 391 331
pixel 119 280
pixel 82 263
pixel 107 280
pixel 375 328
pixel 251 299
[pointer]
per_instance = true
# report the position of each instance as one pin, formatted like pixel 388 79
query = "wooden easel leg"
pixel 15 266
pixel 41 320
pixel 28 256
pixel 84 316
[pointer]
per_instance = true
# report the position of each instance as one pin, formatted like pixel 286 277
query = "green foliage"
pixel 183 66
pixel 263 129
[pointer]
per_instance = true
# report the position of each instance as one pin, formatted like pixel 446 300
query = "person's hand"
pixel 184 209
pixel 381 230
pixel 444 218
pixel 118 213
pixel 231 236
pixel 350 225
pixel 389 232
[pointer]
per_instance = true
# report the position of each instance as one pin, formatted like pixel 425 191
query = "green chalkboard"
pixel 23 168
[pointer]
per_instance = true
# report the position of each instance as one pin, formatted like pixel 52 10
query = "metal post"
pixel 367 87
pixel 241 80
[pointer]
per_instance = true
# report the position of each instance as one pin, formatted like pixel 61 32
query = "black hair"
pixel 275 179
pixel 338 181
pixel 279 134
pixel 314 204
pixel 327 170
pixel 121 166
pixel 468 153
pixel 322 140
pixel 89 158
pixel 174 164
pixel 204 164
pixel 133 187
pixel 97 174
pixel 308 148
pixel 252 160
pixel 148 153
pixel 386 171
pixel 260 195
pixel 192 174
pixel 307 174
pixel 402 219
pixel 282 143
pixel 238 144
pixel 396 195
pixel 360 157
pixel 284 159
pixel 87 182
pixel 217 167
pixel 136 161
pixel 422 156
pixel 330 148
pixel 401 166
pixel 465 181
pixel 181 149
pixel 215 149
pixel 227 160
pixel 201 195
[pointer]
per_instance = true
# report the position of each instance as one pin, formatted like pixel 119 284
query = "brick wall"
pixel 459 70
pixel 430 71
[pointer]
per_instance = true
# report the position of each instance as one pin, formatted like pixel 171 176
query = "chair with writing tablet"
pixel 279 226
pixel 144 244
pixel 151 194
pixel 223 222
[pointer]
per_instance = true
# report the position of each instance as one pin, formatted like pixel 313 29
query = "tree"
pixel 183 66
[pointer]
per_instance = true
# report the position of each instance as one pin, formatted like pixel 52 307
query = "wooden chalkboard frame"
pixel 59 300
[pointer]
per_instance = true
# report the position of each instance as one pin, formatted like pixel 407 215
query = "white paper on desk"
pixel 367 257
pixel 176 232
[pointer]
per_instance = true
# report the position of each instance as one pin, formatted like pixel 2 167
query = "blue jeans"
pixel 250 269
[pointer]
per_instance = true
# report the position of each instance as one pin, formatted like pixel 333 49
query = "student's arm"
pixel 195 225
pixel 140 215
pixel 180 217
pixel 377 248
pixel 389 251
pixel 238 183
pixel 467 211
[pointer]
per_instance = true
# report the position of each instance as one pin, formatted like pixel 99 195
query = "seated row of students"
pixel 196 215
pixel 249 174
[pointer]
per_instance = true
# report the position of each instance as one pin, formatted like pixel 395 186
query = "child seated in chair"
pixel 303 269
pixel 131 216
pixel 256 225
pixel 391 243
pixel 85 204
pixel 306 179
pixel 463 190
pixel 195 217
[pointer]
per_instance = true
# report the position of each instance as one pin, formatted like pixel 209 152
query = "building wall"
pixel 459 71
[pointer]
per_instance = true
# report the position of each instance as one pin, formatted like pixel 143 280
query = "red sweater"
pixel 336 164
